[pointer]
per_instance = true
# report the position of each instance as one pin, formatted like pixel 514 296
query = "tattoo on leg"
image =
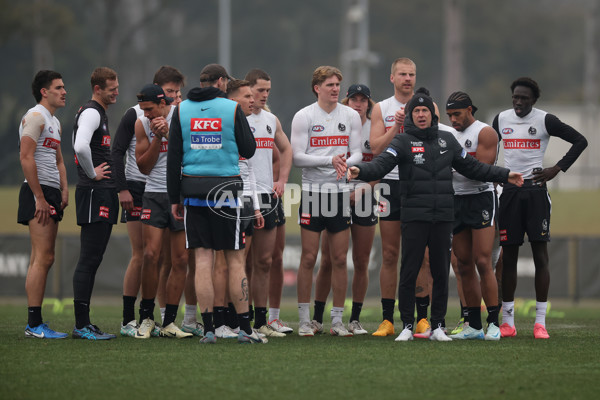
pixel 419 289
pixel 244 289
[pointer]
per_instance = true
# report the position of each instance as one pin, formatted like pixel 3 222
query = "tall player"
pixel 525 132
pixel 45 192
pixel 323 133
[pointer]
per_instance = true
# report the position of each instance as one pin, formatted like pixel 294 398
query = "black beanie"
pixel 420 98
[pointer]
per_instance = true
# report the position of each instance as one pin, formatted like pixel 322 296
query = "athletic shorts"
pixel 475 211
pixel 156 212
pixel 96 205
pixel 389 203
pixel 26 211
pixel 248 216
pixel 524 210
pixel 214 228
pixel 330 211
pixel 280 213
pixel 268 209
pixel 365 213
pixel 136 188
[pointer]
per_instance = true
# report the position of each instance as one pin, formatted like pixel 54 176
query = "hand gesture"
pixel 339 163
pixel 102 171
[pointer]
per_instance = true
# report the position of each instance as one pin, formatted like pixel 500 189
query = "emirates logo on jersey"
pixel 164 146
pixel 524 144
pixel 367 157
pixel 326 141
pixel 264 143
pixel 106 141
pixel 51 143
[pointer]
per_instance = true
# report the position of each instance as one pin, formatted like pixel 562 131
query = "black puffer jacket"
pixel 425 158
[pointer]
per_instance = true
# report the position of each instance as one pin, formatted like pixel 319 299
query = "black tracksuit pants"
pixel 416 237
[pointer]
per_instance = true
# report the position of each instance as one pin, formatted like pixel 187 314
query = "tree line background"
pixel 502 40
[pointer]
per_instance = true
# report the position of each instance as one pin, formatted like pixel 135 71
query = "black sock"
pixel 356 309
pixel 422 303
pixel 260 317
pixel 170 313
pixel 82 313
pixel 231 318
pixel 244 319
pixel 128 309
pixel 492 317
pixel 474 317
pixel 219 314
pixel 146 309
pixel 319 309
pixel 34 316
pixel 207 319
pixel 388 309
pixel 464 312
pixel 251 312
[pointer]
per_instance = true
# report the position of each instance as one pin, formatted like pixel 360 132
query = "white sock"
pixel 304 312
pixel 540 312
pixel 273 314
pixel 189 318
pixel 162 314
pixel 508 313
pixel 336 314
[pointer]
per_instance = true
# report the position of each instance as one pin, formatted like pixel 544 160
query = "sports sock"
pixel 474 317
pixel 319 309
pixel 336 314
pixel 146 309
pixel 508 313
pixel 189 317
pixel 207 319
pixel 464 313
pixel 162 314
pixel 244 320
pixel 356 309
pixel 260 317
pixel 219 315
pixel 492 317
pixel 540 312
pixel 388 309
pixel 34 316
pixel 82 313
pixel 128 309
pixel 304 312
pixel 251 311
pixel 273 314
pixel 170 314
pixel 231 318
pixel 421 304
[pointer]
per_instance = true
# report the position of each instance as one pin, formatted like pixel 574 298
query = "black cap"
pixel 358 89
pixel 458 101
pixel 153 93
pixel 212 72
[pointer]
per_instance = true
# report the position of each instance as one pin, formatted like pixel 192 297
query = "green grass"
pixel 365 367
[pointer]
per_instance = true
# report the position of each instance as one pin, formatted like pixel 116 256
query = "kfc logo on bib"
pixel 205 124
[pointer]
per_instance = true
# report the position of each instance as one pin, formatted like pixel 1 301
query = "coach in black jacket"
pixel 425 157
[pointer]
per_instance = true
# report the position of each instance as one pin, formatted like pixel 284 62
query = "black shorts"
pixel 156 212
pixel 320 211
pixel 136 188
pixel 96 205
pixel 214 228
pixel 268 209
pixel 524 210
pixel 247 216
pixel 364 213
pixel 280 213
pixel 475 211
pixel 26 211
pixel 389 201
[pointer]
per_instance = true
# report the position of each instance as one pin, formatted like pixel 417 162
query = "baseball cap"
pixel 212 72
pixel 153 93
pixel 358 89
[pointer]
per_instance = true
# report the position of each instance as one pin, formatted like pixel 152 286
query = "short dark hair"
pixel 527 82
pixel 42 80
pixel 167 74
pixel 101 75
pixel 255 74
pixel 235 85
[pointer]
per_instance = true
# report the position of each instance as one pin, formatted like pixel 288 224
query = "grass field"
pixel 573 213
pixel 362 367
